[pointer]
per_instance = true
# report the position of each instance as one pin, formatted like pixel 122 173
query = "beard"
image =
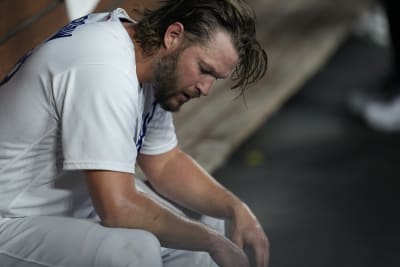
pixel 165 82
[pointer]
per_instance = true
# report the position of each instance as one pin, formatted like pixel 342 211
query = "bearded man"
pixel 81 109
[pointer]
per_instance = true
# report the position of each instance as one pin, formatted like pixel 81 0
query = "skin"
pixel 197 72
pixel 114 195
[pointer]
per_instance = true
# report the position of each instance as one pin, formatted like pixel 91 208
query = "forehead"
pixel 218 53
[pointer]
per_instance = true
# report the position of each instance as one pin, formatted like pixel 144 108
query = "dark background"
pixel 323 184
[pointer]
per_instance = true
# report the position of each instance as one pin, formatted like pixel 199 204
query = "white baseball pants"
pixel 44 241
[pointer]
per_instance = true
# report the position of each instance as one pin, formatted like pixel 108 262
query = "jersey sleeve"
pixel 160 136
pixel 98 118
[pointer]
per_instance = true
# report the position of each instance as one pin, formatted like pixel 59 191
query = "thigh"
pixel 60 241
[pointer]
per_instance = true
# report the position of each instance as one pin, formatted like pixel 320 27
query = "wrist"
pixel 236 208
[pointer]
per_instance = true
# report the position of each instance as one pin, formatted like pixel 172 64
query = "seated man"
pixel 78 112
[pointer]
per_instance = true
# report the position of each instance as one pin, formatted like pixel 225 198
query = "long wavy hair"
pixel 201 19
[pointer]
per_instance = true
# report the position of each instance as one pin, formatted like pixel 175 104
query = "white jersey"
pixel 71 104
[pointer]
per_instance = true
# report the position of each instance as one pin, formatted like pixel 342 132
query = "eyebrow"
pixel 212 70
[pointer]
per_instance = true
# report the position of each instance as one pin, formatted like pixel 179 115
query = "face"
pixel 190 72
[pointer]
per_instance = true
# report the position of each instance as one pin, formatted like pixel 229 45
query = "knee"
pixel 149 253
pixel 130 247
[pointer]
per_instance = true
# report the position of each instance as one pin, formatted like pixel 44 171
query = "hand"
pixel 247 231
pixel 227 254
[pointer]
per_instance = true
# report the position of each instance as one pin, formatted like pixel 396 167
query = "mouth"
pixel 187 96
pixel 184 97
pixel 190 95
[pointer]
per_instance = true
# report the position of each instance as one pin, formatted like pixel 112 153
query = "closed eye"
pixel 207 72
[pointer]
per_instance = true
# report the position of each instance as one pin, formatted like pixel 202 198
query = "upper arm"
pixel 110 192
pixel 154 166
pixel 97 128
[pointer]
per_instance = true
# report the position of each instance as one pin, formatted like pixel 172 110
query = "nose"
pixel 205 85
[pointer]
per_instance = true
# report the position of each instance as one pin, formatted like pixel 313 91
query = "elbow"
pixel 125 213
pixel 116 215
pixel 111 221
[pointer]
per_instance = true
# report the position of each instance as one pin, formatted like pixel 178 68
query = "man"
pixel 77 112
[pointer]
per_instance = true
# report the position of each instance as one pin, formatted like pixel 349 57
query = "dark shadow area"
pixel 325 186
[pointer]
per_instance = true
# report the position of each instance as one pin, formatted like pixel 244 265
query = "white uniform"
pixel 74 103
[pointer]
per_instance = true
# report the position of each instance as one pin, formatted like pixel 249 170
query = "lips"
pixel 194 94
pixel 187 95
pixel 183 97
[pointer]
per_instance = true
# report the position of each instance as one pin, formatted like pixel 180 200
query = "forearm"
pixel 176 176
pixel 172 229
pixel 188 184
pixel 119 204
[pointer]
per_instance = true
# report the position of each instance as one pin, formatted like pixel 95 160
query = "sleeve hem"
pixel 160 149
pixel 109 166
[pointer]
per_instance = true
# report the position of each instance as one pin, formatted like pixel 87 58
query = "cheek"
pixel 187 75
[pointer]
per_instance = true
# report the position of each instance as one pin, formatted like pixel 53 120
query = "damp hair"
pixel 201 19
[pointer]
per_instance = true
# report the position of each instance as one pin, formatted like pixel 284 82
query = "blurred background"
pixel 324 184
pixel 321 175
pixel 312 148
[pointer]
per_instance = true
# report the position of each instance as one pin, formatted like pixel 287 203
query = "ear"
pixel 173 35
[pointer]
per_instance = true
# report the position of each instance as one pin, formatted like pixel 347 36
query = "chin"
pixel 172 106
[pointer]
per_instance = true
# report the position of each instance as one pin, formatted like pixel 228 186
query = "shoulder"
pixel 100 79
pixel 100 42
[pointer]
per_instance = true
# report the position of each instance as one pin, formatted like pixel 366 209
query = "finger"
pixel 266 258
pixel 267 252
pixel 261 254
